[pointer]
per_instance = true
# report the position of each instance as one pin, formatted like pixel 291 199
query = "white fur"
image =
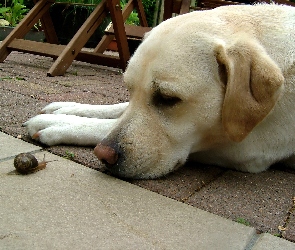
pixel 86 110
pixel 54 129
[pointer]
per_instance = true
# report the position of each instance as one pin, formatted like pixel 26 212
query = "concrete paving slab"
pixel 269 242
pixel 68 206
pixel 263 199
pixel 10 146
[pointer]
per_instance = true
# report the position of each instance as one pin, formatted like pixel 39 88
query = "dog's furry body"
pixel 216 85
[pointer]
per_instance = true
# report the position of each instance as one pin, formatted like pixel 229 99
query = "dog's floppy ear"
pixel 253 83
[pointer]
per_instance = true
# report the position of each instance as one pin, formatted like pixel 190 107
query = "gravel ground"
pixel 264 201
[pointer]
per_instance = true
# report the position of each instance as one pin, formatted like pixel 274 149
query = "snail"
pixel 26 163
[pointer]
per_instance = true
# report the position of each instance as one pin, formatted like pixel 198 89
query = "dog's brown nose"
pixel 106 154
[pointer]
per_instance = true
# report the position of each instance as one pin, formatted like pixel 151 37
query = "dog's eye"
pixel 165 100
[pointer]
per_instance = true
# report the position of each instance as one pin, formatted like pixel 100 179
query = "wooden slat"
pixel 120 35
pixel 48 27
pixel 168 9
pixel 98 58
pixel 185 6
pixel 54 50
pixel 107 38
pixel 127 10
pixel 175 6
pixel 141 13
pixel 37 48
pixel 104 43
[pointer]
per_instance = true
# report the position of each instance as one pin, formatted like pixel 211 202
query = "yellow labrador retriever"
pixel 217 86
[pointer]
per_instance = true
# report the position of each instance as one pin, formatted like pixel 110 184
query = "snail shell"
pixel 26 163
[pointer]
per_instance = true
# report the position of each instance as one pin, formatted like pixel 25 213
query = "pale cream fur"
pixel 216 86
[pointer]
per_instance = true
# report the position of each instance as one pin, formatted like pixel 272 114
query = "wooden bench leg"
pixel 141 13
pixel 103 44
pixel 106 39
pixel 185 5
pixel 66 58
pixel 25 25
pixel 119 29
pixel 168 9
pixel 129 7
pixel 48 27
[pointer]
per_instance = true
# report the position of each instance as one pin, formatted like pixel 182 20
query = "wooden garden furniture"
pixel 65 54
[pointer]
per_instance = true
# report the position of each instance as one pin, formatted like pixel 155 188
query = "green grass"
pixel 243 221
pixel 132 19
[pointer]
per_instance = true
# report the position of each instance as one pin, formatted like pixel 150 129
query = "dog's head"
pixel 190 91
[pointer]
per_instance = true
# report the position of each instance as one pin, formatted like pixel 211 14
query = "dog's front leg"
pixel 111 111
pixel 53 129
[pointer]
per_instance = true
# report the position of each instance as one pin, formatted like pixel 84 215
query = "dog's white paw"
pixel 55 106
pixel 46 127
pixel 86 110
pixel 51 129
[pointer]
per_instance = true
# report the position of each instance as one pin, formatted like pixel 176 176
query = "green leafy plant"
pixel 149 8
pixel 15 13
pixel 19 78
pixel 69 155
pixel 278 235
pixel 243 221
pixel 133 19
